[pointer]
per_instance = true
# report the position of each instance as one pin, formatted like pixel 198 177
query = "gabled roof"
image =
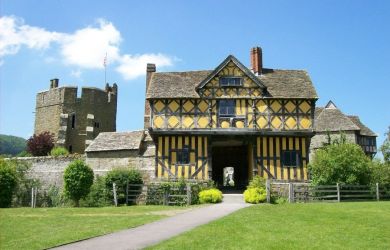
pixel 330 118
pixel 225 62
pixel 279 84
pixel 175 84
pixel 363 129
pixel 110 141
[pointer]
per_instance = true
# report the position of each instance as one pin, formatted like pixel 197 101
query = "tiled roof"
pixel 109 141
pixel 332 119
pixel 279 83
pixel 363 129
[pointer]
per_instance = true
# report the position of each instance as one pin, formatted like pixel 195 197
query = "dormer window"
pixel 230 81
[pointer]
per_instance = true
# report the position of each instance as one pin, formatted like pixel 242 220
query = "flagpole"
pixel 105 69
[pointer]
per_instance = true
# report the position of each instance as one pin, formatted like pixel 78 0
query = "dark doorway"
pixel 230 156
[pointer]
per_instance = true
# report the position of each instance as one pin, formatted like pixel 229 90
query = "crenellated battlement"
pixel 61 111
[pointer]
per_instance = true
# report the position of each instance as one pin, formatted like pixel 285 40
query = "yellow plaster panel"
pixel 290 107
pixel 173 122
pixel 203 122
pixel 240 124
pixel 174 106
pixel 276 106
pixel 188 106
pixel 305 122
pixel 203 106
pixel 158 122
pixel 159 106
pixel 256 92
pixel 180 142
pixel 225 124
pixel 303 147
pixel 261 106
pixel 290 122
pixel 290 143
pixel 304 106
pixel 283 143
pixel 262 122
pixel 276 122
pixel 188 122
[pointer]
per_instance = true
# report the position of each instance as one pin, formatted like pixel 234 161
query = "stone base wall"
pixel 320 138
pixel 50 170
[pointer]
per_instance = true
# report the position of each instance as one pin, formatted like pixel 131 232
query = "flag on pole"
pixel 105 60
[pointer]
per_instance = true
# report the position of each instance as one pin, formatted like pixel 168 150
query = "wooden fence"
pixel 154 194
pixel 305 192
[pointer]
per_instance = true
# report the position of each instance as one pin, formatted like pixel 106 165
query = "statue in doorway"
pixel 228 176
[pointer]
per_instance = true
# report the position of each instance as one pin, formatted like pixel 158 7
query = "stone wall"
pixel 101 162
pixel 50 170
pixel 322 137
pixel 56 106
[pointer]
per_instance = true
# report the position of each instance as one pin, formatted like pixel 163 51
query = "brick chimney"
pixel 257 60
pixel 150 69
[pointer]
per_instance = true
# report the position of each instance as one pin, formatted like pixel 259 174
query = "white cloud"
pixel 76 73
pixel 85 48
pixel 14 33
pixel 134 66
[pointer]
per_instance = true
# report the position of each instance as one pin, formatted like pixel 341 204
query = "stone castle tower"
pixel 76 121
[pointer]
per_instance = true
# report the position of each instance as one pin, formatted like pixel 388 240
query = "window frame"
pixel 227 114
pixel 291 153
pixel 183 155
pixel 230 84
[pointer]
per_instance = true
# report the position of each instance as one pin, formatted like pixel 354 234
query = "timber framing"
pixel 273 118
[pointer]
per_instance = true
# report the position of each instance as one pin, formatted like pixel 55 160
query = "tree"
pixel 385 148
pixel 340 163
pixel 8 183
pixel 78 179
pixel 11 145
pixel 41 144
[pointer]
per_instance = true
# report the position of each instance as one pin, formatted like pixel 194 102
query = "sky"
pixel 344 46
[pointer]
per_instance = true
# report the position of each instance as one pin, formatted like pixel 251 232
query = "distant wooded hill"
pixel 11 145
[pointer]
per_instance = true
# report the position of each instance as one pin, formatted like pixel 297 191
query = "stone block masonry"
pixel 76 121
pixel 50 170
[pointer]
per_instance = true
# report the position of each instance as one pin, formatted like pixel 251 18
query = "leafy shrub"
pixel 8 183
pixel 99 196
pixel 380 172
pixel 24 153
pixel 255 195
pixel 278 200
pixel 121 177
pixel 257 182
pixel 340 163
pixel 157 190
pixel 41 144
pixel 212 195
pixel 78 178
pixel 59 151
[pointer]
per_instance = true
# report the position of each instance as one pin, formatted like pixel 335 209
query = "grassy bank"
pixel 360 225
pixel 26 228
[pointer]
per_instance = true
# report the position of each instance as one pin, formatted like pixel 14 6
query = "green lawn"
pixel 26 228
pixel 360 225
